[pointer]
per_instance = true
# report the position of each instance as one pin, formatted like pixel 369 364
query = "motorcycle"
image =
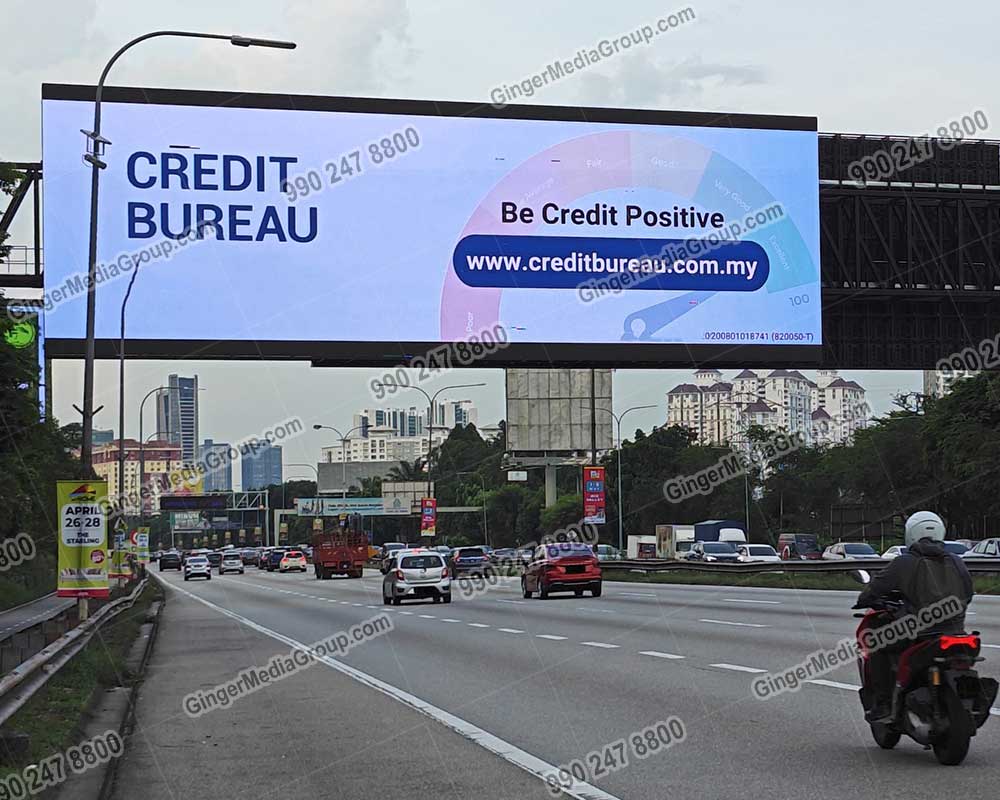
pixel 939 700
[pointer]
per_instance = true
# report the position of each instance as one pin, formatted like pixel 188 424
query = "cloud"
pixel 347 47
pixel 638 81
pixel 38 40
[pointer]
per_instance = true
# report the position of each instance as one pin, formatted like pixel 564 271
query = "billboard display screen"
pixel 357 231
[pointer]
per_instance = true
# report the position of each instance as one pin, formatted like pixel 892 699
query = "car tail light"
pixel 444 572
pixel 399 574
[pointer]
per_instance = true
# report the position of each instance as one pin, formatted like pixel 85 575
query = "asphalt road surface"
pixel 24 616
pixel 533 684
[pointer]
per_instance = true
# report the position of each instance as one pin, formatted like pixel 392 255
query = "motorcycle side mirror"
pixel 861 576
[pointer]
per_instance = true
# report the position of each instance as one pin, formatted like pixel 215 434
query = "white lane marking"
pixel 531 764
pixel 605 645
pixel 596 610
pixel 477 625
pixel 994 646
pixel 635 594
pixel 740 624
pixel 408 613
pixel 509 601
pixel 737 668
pixel 357 604
pixel 834 684
pixel 550 636
pixel 995 712
pixel 365 606
pixel 449 619
pixel 761 602
pixel 426 616
pixel 658 654
pixel 509 630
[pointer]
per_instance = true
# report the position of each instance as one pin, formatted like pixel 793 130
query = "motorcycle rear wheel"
pixel 884 736
pixel 952 748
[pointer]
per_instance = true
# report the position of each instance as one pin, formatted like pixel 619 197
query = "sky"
pixel 857 66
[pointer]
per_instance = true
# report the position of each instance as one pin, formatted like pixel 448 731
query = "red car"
pixel 562 567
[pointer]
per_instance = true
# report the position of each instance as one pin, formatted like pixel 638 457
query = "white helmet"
pixel 924 525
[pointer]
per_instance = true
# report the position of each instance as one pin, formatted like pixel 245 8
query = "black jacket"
pixel 925 574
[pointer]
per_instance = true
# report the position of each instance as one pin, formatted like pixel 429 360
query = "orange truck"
pixel 340 547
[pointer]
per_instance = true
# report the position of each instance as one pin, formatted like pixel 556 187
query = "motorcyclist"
pixel 925 573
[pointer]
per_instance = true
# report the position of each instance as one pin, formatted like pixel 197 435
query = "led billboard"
pixel 365 231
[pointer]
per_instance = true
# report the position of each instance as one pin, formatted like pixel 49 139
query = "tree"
pixel 370 487
pixel 407 472
pixel 33 456
pixel 9 178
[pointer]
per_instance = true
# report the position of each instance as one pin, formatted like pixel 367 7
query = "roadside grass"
pixel 984 584
pixel 27 581
pixel 52 718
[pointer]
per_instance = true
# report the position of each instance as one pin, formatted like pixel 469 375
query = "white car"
pixel 293 559
pixel 987 548
pixel 757 552
pixel 415 574
pixel 895 550
pixel 605 552
pixel 197 567
pixel 852 551
pixel 231 562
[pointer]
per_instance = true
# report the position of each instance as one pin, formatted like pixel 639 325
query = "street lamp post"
pixel 97 145
pixel 618 419
pixel 283 482
pixel 430 416
pixel 142 452
pixel 142 441
pixel 754 398
pixel 486 535
pixel 343 453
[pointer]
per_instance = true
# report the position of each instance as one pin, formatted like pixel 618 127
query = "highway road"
pixel 539 683
pixel 28 614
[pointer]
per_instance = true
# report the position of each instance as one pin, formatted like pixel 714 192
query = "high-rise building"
pixel 218 466
pixel 413 421
pixel 260 465
pixel 99 437
pixel 828 410
pixel 177 415
pixel 402 421
pixel 159 459
pixel 938 383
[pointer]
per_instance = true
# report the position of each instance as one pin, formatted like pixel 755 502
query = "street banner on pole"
pixel 428 516
pixel 142 542
pixel 83 539
pixel 593 496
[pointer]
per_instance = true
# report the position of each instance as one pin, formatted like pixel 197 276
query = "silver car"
pixel 197 567
pixel 231 562
pixel 987 548
pixel 416 574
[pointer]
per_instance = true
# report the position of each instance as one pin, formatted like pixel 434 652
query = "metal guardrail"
pixel 18 686
pixel 58 614
pixel 977 565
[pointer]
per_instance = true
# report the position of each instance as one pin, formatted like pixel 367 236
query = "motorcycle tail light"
pixel 947 642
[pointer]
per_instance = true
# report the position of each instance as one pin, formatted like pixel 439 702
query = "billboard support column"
pixel 550 485
pixel 593 416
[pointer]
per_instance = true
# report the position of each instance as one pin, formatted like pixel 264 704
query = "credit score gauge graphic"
pixel 620 169
pixel 365 232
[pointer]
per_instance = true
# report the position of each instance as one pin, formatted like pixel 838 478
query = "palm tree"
pixel 370 487
pixel 407 472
